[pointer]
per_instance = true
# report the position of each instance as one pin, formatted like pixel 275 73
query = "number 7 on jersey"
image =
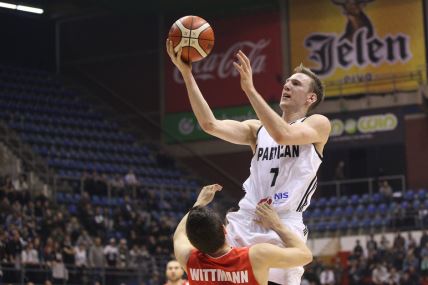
pixel 275 172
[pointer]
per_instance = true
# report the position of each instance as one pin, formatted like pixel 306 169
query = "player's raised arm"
pixel 315 129
pixel 182 245
pixel 295 253
pixel 228 130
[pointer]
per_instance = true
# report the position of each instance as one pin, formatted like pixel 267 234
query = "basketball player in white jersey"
pixel 287 153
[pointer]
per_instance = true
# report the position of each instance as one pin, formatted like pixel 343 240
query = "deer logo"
pixel 357 19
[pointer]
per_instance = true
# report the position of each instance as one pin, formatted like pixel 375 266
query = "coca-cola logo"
pixel 220 65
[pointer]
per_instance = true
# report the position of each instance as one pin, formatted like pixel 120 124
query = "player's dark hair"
pixel 204 229
pixel 316 86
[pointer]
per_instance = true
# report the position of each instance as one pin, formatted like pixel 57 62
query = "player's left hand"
pixel 243 66
pixel 207 194
pixel 267 216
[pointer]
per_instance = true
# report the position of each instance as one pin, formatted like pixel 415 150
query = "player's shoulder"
pixel 317 118
pixel 319 121
pixel 254 125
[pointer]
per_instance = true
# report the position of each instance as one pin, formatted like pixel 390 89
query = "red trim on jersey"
pixel 232 268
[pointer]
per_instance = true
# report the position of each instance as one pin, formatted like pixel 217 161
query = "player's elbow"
pixel 208 126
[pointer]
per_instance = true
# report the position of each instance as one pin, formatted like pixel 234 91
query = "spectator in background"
pixel 59 271
pixel 117 183
pixel 85 239
pixel 96 255
pixel 20 183
pixel 358 250
pixel 327 276
pixel 123 254
pixel 371 244
pixel 338 270
pixel 133 256
pixel 174 274
pixel 354 272
pixel 380 274
pixel 67 252
pixel 30 255
pixel 14 247
pixel 80 255
pixel 424 259
pixel 410 261
pixel 424 238
pixel 399 242
pixel 111 253
pixel 385 190
pixel 130 179
pixel 393 277
pixel 339 172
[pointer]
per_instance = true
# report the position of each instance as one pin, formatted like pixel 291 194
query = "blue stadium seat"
pixel 409 195
pixel 354 200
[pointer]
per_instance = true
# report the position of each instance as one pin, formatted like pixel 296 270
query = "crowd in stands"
pixel 41 235
pixel 402 262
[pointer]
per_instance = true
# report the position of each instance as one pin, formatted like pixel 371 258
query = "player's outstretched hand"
pixel 207 194
pixel 267 216
pixel 243 66
pixel 176 57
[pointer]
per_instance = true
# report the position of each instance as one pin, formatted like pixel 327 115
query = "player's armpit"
pixel 315 129
pixel 272 256
pixel 244 133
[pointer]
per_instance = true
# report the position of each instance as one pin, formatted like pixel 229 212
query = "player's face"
pixel 296 91
pixel 174 271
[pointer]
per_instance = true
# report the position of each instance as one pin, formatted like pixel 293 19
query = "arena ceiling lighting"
pixel 21 8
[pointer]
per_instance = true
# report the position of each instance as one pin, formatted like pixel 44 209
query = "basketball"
pixel 194 35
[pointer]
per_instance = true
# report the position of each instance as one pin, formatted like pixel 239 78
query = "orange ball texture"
pixel 194 35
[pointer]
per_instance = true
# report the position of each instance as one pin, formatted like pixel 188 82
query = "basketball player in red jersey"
pixel 174 274
pixel 200 247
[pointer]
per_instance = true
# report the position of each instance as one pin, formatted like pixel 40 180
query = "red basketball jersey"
pixel 232 268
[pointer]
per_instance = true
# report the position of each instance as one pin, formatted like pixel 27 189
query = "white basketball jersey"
pixel 285 175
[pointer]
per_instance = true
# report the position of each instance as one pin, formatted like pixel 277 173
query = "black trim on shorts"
pixel 273 283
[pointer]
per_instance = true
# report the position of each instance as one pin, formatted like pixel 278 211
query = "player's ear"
pixel 312 98
pixel 224 230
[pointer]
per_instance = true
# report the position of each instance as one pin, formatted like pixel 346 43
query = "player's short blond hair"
pixel 316 86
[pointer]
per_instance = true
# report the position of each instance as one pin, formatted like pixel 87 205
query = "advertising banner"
pixel 370 127
pixel 360 46
pixel 259 37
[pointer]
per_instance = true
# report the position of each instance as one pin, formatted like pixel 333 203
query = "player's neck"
pixel 292 116
pixel 177 282
pixel 222 251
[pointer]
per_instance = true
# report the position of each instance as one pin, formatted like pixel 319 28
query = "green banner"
pixel 183 127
